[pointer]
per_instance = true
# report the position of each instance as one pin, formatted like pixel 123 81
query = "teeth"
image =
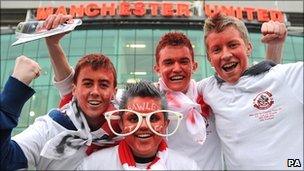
pixel 176 78
pixel 229 66
pixel 94 102
pixel 143 135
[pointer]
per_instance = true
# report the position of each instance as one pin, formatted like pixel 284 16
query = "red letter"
pixel 277 16
pixel 61 10
pixel 76 12
pixel 183 9
pixel 167 9
pixel 140 9
pixel 227 10
pixel 43 13
pixel 124 9
pixel 210 10
pixel 111 9
pixel 91 10
pixel 239 13
pixel 154 8
pixel 249 12
pixel 263 15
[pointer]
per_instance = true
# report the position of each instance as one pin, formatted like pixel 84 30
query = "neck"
pixel 95 123
pixel 143 159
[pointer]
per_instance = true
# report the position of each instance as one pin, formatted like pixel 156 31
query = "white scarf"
pixel 187 105
pixel 128 162
pixel 69 142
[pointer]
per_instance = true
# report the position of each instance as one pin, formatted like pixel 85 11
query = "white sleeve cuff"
pixel 64 86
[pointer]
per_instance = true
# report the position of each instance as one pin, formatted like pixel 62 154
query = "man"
pixel 259 109
pixel 175 65
pixel 60 139
pixel 143 119
pixel 14 95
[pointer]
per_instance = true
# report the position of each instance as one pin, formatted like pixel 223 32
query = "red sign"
pixel 164 9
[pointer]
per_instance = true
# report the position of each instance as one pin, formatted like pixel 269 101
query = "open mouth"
pixel 230 66
pixel 177 78
pixel 94 103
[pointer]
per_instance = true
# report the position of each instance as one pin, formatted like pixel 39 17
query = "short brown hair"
pixel 173 39
pixel 96 61
pixel 218 22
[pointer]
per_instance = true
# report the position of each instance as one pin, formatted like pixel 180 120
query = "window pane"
pixel 45 76
pixel 39 103
pixel 93 41
pixel 109 42
pixel 298 47
pixel 31 49
pixel 124 68
pixel 77 44
pixel 5 45
pixel 144 41
pixel 126 41
pixel 258 47
pixel 288 50
pixel 54 98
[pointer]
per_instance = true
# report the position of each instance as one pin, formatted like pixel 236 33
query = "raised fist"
pixel 273 32
pixel 26 69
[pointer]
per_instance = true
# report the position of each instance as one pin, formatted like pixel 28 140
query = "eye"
pixel 215 50
pixel 104 85
pixel 155 118
pixel 132 118
pixel 185 61
pixel 87 84
pixel 233 45
pixel 167 62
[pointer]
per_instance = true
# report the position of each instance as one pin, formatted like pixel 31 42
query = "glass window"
pixel 126 41
pixel 15 51
pixel 25 114
pixel 298 47
pixel 9 68
pixel 109 42
pixel 143 67
pixel 43 51
pixel 93 41
pixel 157 34
pixel 45 76
pixel 288 50
pixel 144 41
pixel 5 45
pixel 30 49
pixel 39 103
pixel 258 47
pixel 54 98
pixel 196 37
pixel 125 65
pixel 77 43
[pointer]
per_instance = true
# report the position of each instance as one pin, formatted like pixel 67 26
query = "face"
pixel 175 67
pixel 228 54
pixel 94 90
pixel 144 143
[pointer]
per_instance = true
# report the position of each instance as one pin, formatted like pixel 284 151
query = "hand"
pixel 26 69
pixel 274 32
pixel 54 21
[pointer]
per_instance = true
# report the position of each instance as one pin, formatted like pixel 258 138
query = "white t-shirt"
pixel 108 159
pixel 260 118
pixel 33 139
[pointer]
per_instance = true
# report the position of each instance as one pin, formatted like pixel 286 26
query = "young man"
pixel 259 109
pixel 14 95
pixel 175 65
pixel 60 139
pixel 143 119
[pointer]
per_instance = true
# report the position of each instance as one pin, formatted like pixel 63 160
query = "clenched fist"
pixel 273 32
pixel 26 69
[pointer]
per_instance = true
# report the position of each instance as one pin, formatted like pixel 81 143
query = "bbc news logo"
pixel 293 163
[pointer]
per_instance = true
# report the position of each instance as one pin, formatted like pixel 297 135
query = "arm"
pixel 62 70
pixel 274 35
pixel 14 95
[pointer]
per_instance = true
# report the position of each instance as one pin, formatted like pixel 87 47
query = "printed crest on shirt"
pixel 263 100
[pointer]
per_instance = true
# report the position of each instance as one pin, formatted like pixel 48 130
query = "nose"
pixel 94 91
pixel 226 54
pixel 144 123
pixel 177 67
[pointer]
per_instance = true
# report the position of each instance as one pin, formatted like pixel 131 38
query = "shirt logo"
pixel 263 100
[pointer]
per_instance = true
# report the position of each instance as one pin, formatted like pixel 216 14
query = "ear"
pixel 249 49
pixel 194 67
pixel 114 94
pixel 73 89
pixel 156 68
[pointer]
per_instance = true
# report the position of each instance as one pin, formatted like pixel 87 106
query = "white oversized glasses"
pixel 132 121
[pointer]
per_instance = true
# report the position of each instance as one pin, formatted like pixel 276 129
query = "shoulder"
pixel 180 162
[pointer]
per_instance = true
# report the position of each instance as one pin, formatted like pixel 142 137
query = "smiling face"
pixel 143 143
pixel 228 53
pixel 94 90
pixel 175 66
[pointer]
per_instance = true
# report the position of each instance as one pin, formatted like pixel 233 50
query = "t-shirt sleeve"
pixel 65 86
pixel 294 78
pixel 32 140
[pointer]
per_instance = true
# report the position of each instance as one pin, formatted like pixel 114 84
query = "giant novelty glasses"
pixel 156 121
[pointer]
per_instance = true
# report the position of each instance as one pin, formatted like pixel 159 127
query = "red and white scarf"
pixel 128 162
pixel 187 105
